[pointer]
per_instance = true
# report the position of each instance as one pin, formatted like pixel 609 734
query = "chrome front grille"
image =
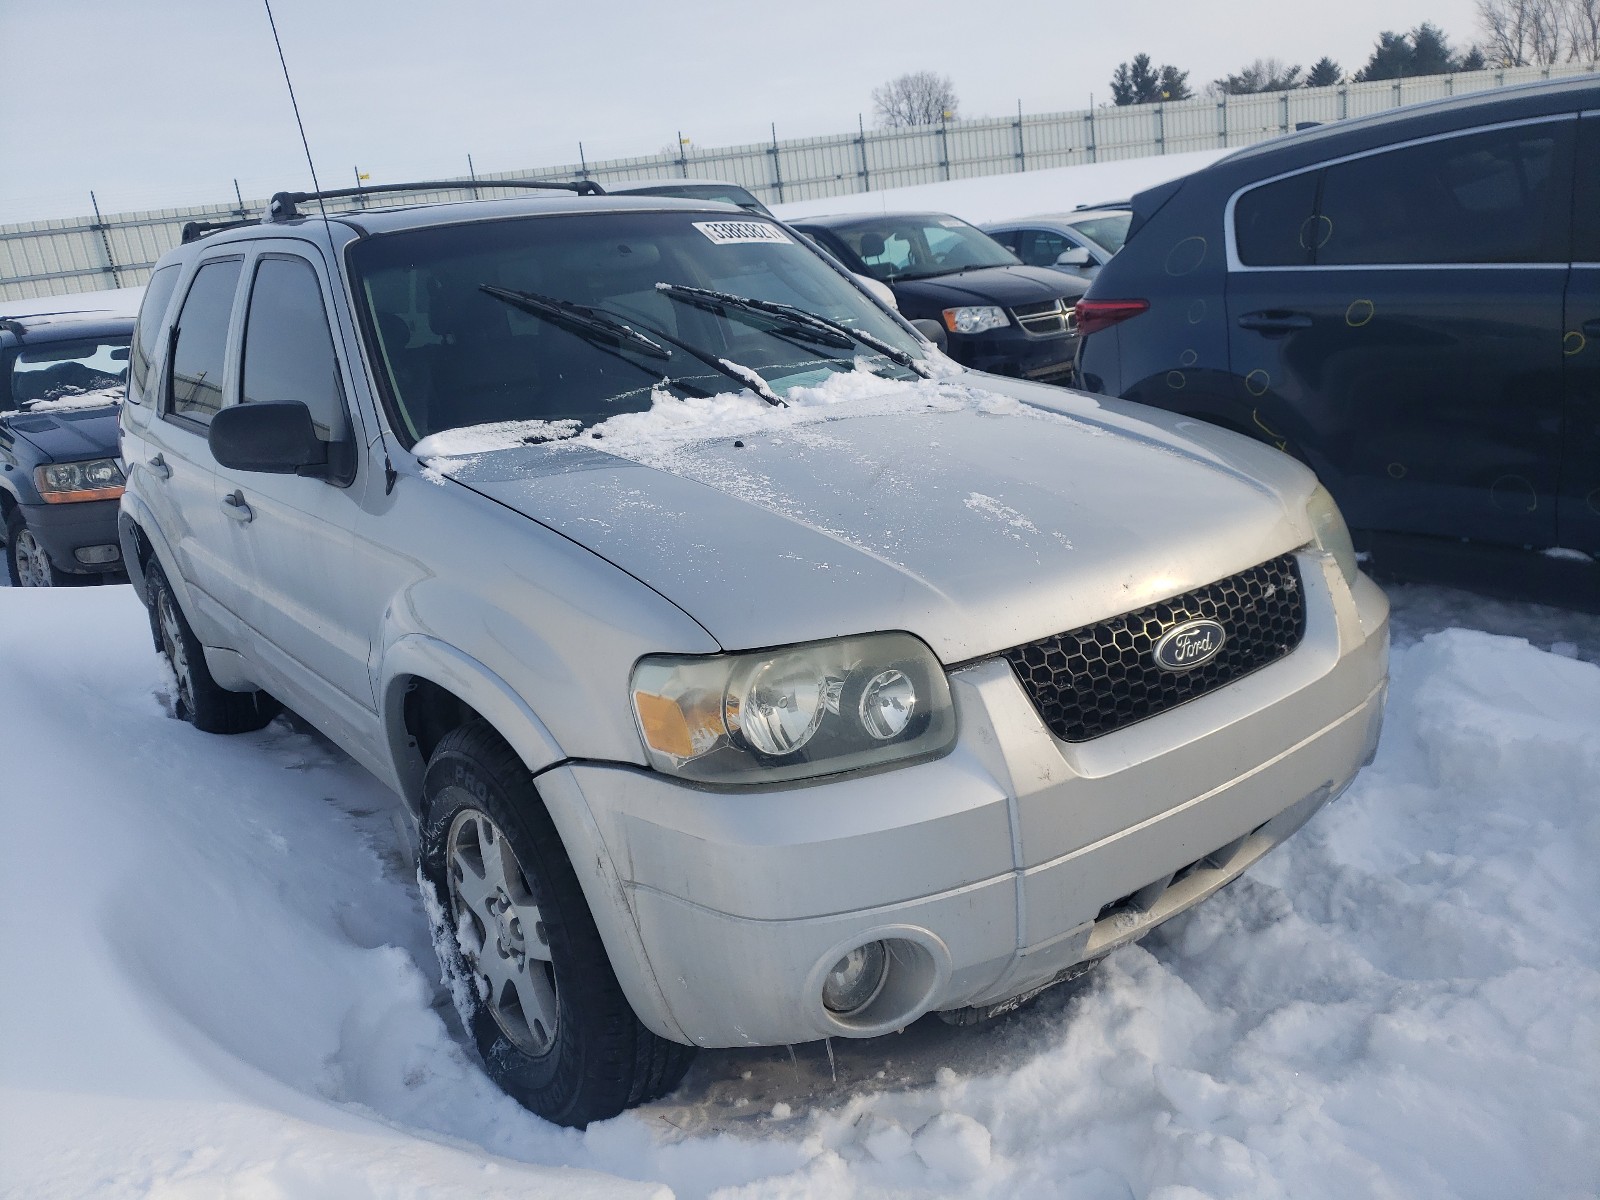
pixel 1058 316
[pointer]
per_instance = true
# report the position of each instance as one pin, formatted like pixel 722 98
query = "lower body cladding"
pixel 856 905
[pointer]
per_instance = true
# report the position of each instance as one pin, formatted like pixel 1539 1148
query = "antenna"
pixel 389 475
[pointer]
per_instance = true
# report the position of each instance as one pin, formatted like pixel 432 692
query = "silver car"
pixel 1079 242
pixel 753 674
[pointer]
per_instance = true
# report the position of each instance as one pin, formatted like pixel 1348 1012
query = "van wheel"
pixel 519 948
pixel 201 701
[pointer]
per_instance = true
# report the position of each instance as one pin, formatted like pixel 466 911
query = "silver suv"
pixel 753 674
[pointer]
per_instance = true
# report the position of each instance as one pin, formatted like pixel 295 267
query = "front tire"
pixel 26 560
pixel 201 700
pixel 529 971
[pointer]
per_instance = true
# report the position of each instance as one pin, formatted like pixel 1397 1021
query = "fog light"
pixel 856 979
pixel 95 555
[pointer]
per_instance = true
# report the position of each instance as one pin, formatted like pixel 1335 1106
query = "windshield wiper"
pixel 596 325
pixel 586 322
pixel 794 320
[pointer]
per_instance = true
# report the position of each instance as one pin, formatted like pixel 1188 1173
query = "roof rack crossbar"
pixel 285 205
pixel 193 231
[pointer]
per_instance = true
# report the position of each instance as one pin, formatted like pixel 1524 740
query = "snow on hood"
pixel 974 517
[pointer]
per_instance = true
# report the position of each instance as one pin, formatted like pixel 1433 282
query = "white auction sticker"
pixel 733 233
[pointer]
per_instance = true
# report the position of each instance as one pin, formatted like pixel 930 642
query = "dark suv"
pixel 1409 302
pixel 61 379
pixel 997 314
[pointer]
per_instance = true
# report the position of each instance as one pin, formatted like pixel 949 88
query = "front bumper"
pixel 1048 358
pixel 64 530
pixel 990 872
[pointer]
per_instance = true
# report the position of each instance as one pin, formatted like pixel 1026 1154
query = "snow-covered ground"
pixel 217 982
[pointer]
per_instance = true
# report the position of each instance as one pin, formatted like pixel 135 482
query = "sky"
pixel 167 102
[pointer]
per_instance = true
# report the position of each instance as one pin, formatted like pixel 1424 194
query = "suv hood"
pixel 966 518
pixel 69 434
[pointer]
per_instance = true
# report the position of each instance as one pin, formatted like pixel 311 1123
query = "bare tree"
pixel 917 98
pixel 1263 75
pixel 1522 33
pixel 1583 30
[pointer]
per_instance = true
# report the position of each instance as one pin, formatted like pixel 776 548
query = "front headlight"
pixel 779 715
pixel 1332 534
pixel 69 483
pixel 975 319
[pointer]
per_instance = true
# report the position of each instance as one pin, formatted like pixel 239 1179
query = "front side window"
pixel 564 318
pixel 1041 247
pixel 44 371
pixel 151 309
pixel 201 350
pixel 1500 196
pixel 288 347
pixel 922 247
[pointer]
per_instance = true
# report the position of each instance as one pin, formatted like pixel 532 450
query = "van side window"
pixel 1501 196
pixel 198 358
pixel 288 348
pixel 1273 225
pixel 1586 194
pixel 154 306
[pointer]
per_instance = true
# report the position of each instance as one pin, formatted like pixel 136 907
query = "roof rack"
pixel 193 231
pixel 284 206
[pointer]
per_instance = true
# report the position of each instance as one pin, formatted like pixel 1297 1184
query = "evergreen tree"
pixel 1324 73
pixel 1391 58
pixel 1139 82
pixel 1423 51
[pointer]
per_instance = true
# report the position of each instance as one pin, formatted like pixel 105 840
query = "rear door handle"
pixel 1274 321
pixel 233 504
pixel 158 467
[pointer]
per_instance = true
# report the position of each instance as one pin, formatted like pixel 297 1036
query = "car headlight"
pixel 975 319
pixel 1331 533
pixel 795 712
pixel 69 483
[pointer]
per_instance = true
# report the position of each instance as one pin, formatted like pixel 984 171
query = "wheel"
pixel 201 701
pixel 26 559
pixel 519 948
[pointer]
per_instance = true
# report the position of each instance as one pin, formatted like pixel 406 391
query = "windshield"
pixel 57 370
pixel 561 317
pixel 1109 232
pixel 919 247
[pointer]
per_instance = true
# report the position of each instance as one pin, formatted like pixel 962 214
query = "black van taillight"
pixel 1095 315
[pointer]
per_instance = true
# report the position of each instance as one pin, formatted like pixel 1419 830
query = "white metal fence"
pixel 44 258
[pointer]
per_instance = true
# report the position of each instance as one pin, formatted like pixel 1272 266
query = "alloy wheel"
pixel 33 564
pixel 501 932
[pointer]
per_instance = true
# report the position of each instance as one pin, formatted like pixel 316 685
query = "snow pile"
pixel 71 399
pixel 218 980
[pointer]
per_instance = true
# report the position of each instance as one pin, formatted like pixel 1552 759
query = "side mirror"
pixel 1077 256
pixel 274 437
pixel 881 290
pixel 934 332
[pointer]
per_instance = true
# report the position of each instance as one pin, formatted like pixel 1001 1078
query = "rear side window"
pixel 1275 225
pixel 1500 196
pixel 202 347
pixel 288 347
pixel 1586 194
pixel 154 306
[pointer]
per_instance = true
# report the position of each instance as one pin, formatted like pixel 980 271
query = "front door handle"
pixel 158 467
pixel 233 504
pixel 1274 321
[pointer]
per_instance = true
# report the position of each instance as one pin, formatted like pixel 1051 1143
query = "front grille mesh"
pixel 1104 677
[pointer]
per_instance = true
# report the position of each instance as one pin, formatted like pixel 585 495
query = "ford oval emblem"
pixel 1190 645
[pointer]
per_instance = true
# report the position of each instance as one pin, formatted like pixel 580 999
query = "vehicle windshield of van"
pixel 921 247
pixel 1109 232
pixel 578 317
